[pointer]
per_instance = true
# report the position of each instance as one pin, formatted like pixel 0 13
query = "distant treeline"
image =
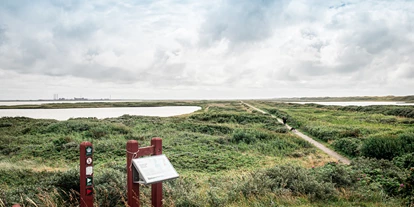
pixel 409 99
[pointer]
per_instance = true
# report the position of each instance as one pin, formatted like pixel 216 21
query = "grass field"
pixel 226 155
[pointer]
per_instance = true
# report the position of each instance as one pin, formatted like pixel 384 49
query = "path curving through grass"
pixel 307 138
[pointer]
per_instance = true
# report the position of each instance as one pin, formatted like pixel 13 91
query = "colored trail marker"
pixel 86 175
pixel 89 181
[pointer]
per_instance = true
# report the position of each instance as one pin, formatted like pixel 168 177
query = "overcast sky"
pixel 148 49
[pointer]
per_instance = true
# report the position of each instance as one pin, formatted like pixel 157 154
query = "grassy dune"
pixel 225 154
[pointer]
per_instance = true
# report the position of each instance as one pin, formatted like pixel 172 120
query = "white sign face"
pixel 89 170
pixel 89 161
pixel 154 169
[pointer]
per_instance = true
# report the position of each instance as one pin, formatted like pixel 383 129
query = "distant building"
pixel 79 99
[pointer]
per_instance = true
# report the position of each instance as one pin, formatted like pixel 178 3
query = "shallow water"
pixel 100 113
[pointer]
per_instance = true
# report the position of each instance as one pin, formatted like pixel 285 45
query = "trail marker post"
pixel 86 175
pixel 151 165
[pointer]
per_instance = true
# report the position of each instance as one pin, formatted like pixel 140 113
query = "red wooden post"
pixel 133 188
pixel 86 175
pixel 156 189
pixel 133 152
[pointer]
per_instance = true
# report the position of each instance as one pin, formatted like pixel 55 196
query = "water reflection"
pixel 100 113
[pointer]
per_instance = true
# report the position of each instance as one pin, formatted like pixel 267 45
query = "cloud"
pixel 2 35
pixel 240 21
pixel 220 44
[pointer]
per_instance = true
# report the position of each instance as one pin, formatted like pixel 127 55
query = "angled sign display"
pixel 154 169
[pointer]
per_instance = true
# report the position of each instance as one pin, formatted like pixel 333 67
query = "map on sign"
pixel 154 169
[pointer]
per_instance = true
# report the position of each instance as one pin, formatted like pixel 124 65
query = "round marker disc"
pixel 89 161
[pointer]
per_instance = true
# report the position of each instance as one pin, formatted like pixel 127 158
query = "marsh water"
pixel 100 113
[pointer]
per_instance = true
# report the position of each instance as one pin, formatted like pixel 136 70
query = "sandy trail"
pixel 307 138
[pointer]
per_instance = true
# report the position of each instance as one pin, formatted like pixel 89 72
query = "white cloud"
pixel 178 48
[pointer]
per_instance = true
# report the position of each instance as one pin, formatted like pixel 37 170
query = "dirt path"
pixel 315 143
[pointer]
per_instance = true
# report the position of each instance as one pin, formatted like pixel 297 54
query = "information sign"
pixel 154 169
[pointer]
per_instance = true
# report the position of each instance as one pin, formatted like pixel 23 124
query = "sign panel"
pixel 89 170
pixel 89 161
pixel 88 191
pixel 89 181
pixel 89 151
pixel 154 169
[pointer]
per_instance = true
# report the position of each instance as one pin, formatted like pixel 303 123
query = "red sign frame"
pixel 133 152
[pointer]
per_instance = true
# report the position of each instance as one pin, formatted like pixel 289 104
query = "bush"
pixel 381 148
pixel 211 129
pixel 299 181
pixel 239 118
pixel 66 181
pixel 349 146
pixel 340 175
pixel 407 142
pixel 388 148
pixel 110 187
pixel 249 136
pixel 381 173
pixel 405 161
pixel 6 124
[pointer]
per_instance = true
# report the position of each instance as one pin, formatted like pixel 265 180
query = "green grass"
pixel 225 155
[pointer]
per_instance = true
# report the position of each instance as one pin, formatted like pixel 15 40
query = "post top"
pixel 156 138
pixel 86 143
pixel 132 141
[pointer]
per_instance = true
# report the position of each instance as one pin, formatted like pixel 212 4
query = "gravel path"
pixel 312 141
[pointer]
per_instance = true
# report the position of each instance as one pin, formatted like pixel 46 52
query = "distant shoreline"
pixel 406 99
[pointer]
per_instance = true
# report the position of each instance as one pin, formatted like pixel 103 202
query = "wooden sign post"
pixel 133 152
pixel 86 175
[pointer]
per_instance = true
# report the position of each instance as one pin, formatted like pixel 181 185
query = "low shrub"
pixel 381 148
pixel 249 136
pixel 239 118
pixel 388 148
pixel 405 161
pixel 211 129
pixel 299 181
pixel 381 173
pixel 6 124
pixel 349 146
pixel 340 175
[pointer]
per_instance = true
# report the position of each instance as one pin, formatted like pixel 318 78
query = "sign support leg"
pixel 133 188
pixel 156 189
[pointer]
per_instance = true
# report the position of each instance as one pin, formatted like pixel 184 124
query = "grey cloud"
pixel 104 73
pixel 2 35
pixel 312 43
pixel 77 32
pixel 352 58
pixel 240 22
pixel 163 72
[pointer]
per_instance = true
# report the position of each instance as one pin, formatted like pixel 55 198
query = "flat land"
pixel 226 155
